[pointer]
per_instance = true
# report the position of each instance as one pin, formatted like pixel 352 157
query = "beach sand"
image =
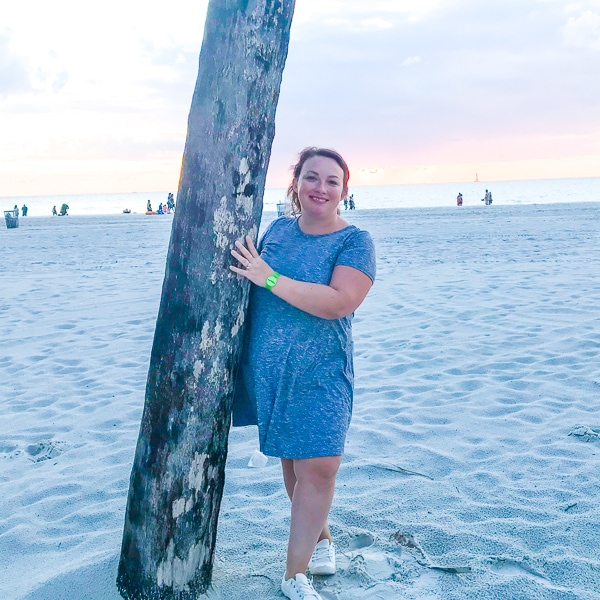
pixel 471 467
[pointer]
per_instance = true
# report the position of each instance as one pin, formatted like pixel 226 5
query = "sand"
pixel 471 468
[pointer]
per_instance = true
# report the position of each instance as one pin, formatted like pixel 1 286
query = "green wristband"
pixel 271 281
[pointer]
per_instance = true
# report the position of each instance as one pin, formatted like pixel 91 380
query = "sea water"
pixel 543 191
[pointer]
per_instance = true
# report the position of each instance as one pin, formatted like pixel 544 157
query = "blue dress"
pixel 296 378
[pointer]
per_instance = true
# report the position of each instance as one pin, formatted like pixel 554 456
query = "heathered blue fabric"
pixel 296 375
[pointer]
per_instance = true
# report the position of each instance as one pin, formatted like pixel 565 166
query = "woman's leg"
pixel 311 494
pixel 289 480
pixel 289 477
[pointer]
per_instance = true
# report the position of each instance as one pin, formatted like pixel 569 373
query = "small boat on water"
pixel 127 211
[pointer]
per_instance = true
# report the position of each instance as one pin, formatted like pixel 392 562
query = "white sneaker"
pixel 322 561
pixel 299 588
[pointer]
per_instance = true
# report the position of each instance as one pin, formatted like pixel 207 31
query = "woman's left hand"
pixel 254 267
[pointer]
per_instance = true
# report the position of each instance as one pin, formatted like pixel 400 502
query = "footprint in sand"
pixel 514 568
pixel 362 540
pixel 45 450
pixel 7 449
pixel 366 564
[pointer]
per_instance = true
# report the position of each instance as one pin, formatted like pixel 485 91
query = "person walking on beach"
pixel 54 213
pixel 459 199
pixel 487 198
pixel 310 272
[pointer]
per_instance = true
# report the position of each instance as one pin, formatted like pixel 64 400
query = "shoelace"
pixel 321 554
pixel 306 589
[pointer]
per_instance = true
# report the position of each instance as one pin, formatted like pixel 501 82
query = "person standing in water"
pixel 310 272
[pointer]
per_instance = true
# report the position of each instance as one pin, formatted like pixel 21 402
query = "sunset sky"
pixel 95 96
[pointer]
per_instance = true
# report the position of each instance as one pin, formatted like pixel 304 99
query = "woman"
pixel 311 272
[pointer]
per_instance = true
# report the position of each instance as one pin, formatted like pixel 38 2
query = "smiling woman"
pixel 320 176
pixel 310 273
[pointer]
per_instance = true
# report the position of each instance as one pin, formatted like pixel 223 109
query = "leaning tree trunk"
pixel 178 473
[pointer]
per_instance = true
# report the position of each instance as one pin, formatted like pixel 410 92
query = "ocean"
pixel 543 191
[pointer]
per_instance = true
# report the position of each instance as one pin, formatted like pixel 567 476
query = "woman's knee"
pixel 319 471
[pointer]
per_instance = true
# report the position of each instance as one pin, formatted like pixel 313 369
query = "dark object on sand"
pixel 63 210
pixel 178 473
pixel 12 219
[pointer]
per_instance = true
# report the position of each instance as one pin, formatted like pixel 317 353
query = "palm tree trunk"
pixel 178 473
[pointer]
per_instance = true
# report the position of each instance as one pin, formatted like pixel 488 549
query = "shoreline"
pixel 506 193
pixel 270 214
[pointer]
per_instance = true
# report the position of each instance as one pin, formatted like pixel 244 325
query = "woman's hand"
pixel 344 294
pixel 254 267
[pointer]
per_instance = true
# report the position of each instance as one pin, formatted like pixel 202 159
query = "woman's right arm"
pixel 344 294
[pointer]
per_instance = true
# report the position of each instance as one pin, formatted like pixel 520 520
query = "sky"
pixel 94 96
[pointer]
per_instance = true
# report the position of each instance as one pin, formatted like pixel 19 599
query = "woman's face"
pixel 320 186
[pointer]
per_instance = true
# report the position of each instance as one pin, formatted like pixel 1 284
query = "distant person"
pixel 490 197
pixel 170 203
pixel 487 198
pixel 160 209
pixel 459 199
pixel 351 204
pixel 54 213
pixel 16 211
pixel 24 210
pixel 63 210
pixel 148 206
pixel 345 203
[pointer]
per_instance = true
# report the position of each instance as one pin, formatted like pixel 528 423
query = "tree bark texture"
pixel 178 474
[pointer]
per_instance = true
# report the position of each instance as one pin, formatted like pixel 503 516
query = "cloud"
pixel 583 31
pixel 490 70
pixel 14 71
pixel 60 81
pixel 319 10
pixel 386 82
pixel 376 23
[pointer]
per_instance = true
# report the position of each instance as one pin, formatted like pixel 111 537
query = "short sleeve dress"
pixel 296 377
